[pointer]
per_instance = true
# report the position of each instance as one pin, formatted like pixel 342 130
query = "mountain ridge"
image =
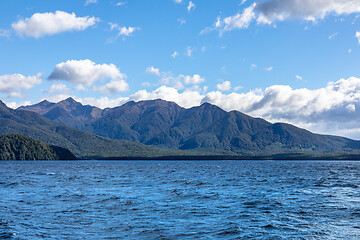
pixel 207 127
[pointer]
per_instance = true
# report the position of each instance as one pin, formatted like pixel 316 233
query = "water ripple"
pixel 180 200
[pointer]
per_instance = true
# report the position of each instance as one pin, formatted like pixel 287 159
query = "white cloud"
pixel 268 12
pixel 175 81
pixel 85 73
pixel 187 98
pixel 299 78
pixel 189 51
pixel 13 82
pixel 191 6
pixel 17 94
pixel 332 36
pixel 122 31
pixel 15 105
pixel 175 54
pixel 120 4
pixel 114 86
pixel 41 24
pixel 357 35
pixel 238 88
pixel 195 79
pixel 153 70
pixel 58 87
pixel 178 1
pixel 103 102
pixel 90 2
pixel 253 66
pixel 269 68
pixel 238 21
pixel 225 86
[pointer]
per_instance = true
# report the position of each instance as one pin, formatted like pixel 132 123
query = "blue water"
pixel 180 200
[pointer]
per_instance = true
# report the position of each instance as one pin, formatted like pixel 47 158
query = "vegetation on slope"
pixel 20 147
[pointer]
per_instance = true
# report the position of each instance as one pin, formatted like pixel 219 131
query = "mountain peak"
pixel 44 103
pixel 70 100
pixel 2 104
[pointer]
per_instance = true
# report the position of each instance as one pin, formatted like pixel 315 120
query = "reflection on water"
pixel 180 200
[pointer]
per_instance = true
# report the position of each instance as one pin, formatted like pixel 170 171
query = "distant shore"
pixel 353 157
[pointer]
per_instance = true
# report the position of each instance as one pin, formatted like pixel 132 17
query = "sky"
pixel 283 60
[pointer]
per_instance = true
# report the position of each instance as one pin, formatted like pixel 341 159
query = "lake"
pixel 180 200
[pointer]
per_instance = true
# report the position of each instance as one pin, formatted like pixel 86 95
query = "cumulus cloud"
pixel 14 82
pixel 85 73
pixel 357 35
pixel 41 24
pixel 123 32
pixel 187 98
pixel 175 54
pixel 15 105
pixel 153 70
pixel 114 86
pixel 195 79
pixel 191 6
pixel 268 12
pixel 176 81
pixel 103 102
pixel 225 86
pixel 58 87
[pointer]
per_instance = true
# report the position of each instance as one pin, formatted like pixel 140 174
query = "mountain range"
pixel 205 128
pixel 82 144
pixel 68 111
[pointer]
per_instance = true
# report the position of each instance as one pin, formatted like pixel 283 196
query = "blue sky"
pixel 277 59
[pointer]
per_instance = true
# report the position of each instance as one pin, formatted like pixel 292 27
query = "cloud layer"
pixel 41 24
pixel 271 11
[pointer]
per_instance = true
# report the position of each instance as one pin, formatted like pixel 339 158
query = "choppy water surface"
pixel 180 200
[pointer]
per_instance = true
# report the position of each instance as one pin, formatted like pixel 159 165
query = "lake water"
pixel 180 200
